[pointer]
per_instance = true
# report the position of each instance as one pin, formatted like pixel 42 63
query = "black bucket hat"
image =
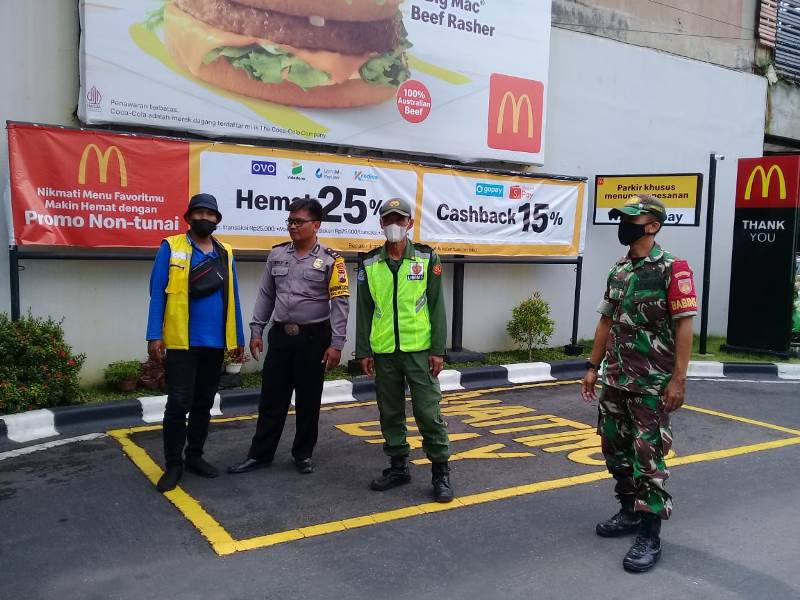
pixel 203 201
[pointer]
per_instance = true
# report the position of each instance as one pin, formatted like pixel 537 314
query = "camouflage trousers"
pixel 636 437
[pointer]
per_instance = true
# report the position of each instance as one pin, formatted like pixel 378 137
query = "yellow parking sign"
pixel 680 193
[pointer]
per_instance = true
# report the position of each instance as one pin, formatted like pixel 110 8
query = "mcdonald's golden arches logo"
pixel 103 158
pixel 515 113
pixel 766 179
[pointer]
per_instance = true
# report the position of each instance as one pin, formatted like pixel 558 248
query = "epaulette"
pixel 332 253
pixel 282 244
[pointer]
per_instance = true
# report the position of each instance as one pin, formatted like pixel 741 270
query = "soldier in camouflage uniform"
pixel 644 339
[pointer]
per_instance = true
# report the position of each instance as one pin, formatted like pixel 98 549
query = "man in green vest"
pixel 401 328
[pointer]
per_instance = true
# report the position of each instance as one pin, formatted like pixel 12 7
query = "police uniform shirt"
pixel 303 290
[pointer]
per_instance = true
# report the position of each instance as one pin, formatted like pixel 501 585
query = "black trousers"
pixel 293 363
pixel 192 381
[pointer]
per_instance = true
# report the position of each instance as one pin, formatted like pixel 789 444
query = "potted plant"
pixel 234 366
pixel 123 374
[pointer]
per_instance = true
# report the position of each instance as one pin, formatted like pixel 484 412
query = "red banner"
pixel 84 188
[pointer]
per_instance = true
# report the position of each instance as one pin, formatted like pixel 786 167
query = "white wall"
pixel 614 108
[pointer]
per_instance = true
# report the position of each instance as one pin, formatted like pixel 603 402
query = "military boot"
pixel 442 490
pixel 624 522
pixel 646 550
pixel 396 474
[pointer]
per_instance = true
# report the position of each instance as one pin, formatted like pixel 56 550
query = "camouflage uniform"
pixel 643 298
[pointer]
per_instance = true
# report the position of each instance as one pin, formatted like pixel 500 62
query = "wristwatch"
pixel 591 365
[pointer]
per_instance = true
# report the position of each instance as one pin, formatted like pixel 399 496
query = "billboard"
pixel 96 189
pixel 680 193
pixel 463 78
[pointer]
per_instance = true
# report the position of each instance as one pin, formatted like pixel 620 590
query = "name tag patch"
pixel 417 272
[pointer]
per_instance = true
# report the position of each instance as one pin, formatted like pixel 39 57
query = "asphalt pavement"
pixel 83 519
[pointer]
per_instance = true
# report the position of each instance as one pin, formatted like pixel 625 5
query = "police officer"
pixel 194 318
pixel 401 329
pixel 644 339
pixel 305 289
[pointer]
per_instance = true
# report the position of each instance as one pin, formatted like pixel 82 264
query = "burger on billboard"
pixel 307 53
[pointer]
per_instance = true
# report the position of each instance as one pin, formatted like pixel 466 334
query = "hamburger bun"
pixel 340 10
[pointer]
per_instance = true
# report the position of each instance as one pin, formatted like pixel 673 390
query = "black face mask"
pixel 628 232
pixel 202 227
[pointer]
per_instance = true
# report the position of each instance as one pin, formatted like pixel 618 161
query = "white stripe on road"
pixel 336 390
pixel 52 444
pixel 31 425
pixel 742 380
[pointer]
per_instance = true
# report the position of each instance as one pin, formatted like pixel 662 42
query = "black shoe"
pixel 170 479
pixel 646 550
pixel 304 466
pixel 247 465
pixel 397 474
pixel 442 490
pixel 622 523
pixel 198 466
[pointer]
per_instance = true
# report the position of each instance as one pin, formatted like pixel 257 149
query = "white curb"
pixel 153 408
pixel 31 425
pixel 529 372
pixel 450 380
pixel 705 369
pixel 338 390
pixel 788 371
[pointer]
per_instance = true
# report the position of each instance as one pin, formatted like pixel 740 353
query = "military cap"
pixel 641 205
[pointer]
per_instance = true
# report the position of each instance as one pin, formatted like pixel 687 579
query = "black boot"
pixel 170 479
pixel 626 521
pixel 442 490
pixel 396 474
pixel 198 466
pixel 646 550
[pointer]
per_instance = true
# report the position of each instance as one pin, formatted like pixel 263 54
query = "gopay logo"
pixel 496 190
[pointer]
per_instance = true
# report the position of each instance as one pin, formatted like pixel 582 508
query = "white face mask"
pixel 394 233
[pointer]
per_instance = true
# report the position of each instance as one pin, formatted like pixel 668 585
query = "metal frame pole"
pixel 458 307
pixel 712 184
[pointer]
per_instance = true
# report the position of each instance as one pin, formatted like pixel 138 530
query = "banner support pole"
pixel 13 276
pixel 573 349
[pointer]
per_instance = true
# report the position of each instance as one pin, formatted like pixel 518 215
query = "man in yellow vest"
pixel 401 329
pixel 194 319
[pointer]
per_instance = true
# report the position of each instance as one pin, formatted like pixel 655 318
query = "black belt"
pixel 293 329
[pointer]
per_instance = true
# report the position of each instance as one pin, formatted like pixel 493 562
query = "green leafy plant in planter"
pixel 530 325
pixel 37 367
pixel 123 374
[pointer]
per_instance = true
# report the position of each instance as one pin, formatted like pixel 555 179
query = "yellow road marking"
pixel 223 543
pixel 716 413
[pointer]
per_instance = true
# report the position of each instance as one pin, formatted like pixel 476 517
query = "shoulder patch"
pixel 286 243
pixel 332 253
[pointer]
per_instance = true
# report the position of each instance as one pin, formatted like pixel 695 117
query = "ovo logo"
pixel 766 178
pixel 515 113
pixel 103 159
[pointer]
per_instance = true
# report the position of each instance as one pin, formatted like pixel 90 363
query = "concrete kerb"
pixel 40 424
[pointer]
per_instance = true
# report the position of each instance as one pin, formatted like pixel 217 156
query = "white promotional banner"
pixel 463 78
pixel 254 190
pixel 489 214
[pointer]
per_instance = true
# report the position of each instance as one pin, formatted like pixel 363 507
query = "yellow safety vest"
pixel 408 293
pixel 176 315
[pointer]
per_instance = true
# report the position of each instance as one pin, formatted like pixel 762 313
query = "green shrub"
pixel 531 326
pixel 37 367
pixel 122 370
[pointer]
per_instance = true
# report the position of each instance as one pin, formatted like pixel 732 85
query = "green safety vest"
pixel 400 299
